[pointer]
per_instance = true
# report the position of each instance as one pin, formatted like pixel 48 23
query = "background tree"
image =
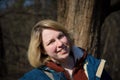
pixel 83 18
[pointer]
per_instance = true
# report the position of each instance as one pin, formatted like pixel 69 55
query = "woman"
pixel 54 56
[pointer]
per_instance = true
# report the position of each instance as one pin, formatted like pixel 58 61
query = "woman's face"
pixel 56 44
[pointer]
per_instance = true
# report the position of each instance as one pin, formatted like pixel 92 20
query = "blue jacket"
pixel 38 74
pixel 93 69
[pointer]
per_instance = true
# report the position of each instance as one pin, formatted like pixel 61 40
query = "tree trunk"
pixel 83 19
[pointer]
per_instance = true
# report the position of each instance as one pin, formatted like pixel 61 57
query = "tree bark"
pixel 83 19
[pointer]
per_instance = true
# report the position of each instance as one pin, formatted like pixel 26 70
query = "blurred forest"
pixel 17 17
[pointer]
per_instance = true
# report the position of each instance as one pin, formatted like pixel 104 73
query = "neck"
pixel 68 63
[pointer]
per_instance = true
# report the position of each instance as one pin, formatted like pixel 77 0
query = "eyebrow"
pixel 47 42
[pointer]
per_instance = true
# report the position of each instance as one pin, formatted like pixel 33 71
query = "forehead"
pixel 48 34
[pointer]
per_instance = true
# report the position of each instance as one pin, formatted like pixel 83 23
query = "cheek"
pixel 50 49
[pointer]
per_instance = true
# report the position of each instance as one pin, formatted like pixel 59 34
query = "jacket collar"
pixel 78 71
pixel 77 53
pixel 79 56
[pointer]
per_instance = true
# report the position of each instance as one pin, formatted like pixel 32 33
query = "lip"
pixel 62 51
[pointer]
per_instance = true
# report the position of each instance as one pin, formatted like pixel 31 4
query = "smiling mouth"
pixel 63 50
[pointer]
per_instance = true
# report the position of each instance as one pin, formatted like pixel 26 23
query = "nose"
pixel 59 43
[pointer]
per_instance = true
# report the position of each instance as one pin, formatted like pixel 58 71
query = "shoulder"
pixel 94 61
pixel 35 74
pixel 94 66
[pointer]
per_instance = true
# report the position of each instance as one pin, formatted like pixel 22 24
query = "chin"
pixel 63 57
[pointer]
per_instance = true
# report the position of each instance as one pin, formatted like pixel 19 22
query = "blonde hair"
pixel 36 54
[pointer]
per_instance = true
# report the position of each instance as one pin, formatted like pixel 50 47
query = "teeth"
pixel 63 49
